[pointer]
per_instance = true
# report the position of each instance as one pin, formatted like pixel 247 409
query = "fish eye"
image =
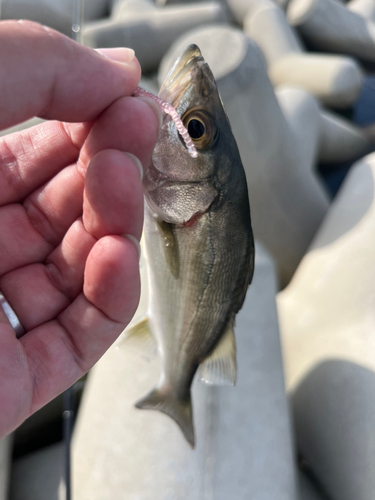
pixel 195 128
pixel 201 127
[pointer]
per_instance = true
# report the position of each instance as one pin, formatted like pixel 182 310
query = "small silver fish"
pixel 199 243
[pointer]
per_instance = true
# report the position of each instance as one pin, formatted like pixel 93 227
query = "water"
pixel 363 115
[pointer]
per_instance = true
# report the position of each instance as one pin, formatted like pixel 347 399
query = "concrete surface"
pixel 150 32
pixel 365 8
pixel 327 309
pixel 330 26
pixel 321 134
pixel 341 140
pixel 334 413
pixel 244 446
pixel 335 80
pixel 57 14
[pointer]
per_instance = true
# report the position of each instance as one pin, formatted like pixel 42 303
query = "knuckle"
pixel 10 168
pixel 40 221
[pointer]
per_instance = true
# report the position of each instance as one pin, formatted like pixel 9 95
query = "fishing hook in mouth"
pixel 169 110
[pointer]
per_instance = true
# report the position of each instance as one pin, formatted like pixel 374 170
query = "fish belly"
pixel 193 273
pixel 191 299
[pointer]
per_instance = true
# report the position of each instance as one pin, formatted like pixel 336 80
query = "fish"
pixel 199 243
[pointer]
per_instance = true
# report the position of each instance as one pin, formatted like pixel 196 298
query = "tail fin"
pixel 180 411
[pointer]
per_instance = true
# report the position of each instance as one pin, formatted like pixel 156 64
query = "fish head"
pixel 179 187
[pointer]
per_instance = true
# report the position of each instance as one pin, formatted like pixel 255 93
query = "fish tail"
pixel 180 411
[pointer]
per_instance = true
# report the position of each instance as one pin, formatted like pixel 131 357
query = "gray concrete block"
pixel 57 14
pixel 39 475
pixel 150 32
pixel 319 133
pixel 244 447
pixel 327 321
pixel 239 9
pixel 365 8
pixel 302 113
pixel 335 80
pixel 341 140
pixel 334 413
pixel 329 25
pixel 327 309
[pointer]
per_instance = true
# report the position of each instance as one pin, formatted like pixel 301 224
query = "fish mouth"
pixel 181 74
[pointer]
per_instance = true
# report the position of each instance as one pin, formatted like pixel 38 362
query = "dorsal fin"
pixel 140 339
pixel 220 368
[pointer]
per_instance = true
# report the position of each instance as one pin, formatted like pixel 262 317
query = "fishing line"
pixel 68 413
pixel 77 21
pixel 68 422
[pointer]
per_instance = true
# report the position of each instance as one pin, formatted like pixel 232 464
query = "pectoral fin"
pixel 170 247
pixel 140 339
pixel 220 368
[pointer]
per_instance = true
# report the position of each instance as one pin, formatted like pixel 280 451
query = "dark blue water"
pixel 362 114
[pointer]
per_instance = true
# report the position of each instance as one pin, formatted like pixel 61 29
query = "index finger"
pixel 46 74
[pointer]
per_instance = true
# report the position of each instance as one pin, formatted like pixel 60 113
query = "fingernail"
pixel 155 108
pixel 137 163
pixel 118 54
pixel 136 243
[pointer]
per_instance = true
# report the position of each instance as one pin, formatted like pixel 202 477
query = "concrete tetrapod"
pixel 335 80
pixel 328 25
pixel 334 413
pixel 287 199
pixel 126 9
pixel 365 8
pixel 5 458
pixel 327 309
pixel 239 9
pixel 341 140
pixel 57 14
pixel 302 113
pixel 231 19
pixel 322 134
pixel 150 31
pixel 244 445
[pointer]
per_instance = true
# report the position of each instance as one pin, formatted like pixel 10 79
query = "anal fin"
pixel 140 339
pixel 220 368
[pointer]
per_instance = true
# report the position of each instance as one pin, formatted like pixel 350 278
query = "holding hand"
pixel 70 194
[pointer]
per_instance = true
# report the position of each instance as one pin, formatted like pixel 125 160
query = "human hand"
pixel 68 194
